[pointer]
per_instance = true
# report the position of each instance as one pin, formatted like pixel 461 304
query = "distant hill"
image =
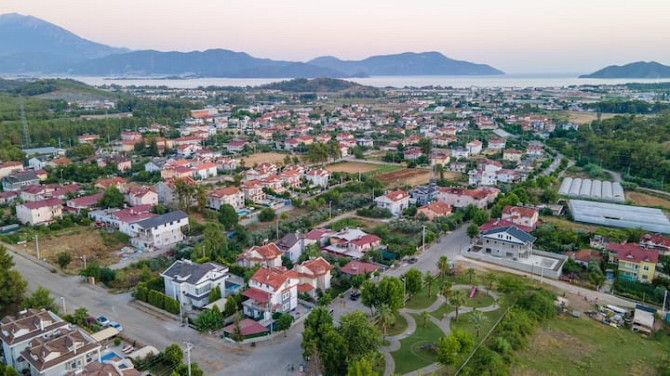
pixel 209 63
pixel 405 64
pixel 29 44
pixel 638 69
pixel 316 85
pixel 63 89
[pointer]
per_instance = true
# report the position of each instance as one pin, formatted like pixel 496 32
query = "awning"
pixel 104 334
pixel 257 295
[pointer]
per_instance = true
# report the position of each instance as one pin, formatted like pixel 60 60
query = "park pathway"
pixel 444 325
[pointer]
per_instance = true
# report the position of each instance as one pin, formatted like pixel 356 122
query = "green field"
pixel 398 327
pixel 569 346
pixel 410 356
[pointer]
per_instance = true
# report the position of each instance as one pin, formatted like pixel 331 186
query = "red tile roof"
pixel 274 277
pixel 586 255
pixel 248 327
pixel 355 267
pixel 256 294
pixel 438 207
pixel 632 252
pixel 397 195
pixel 499 223
pixel 50 202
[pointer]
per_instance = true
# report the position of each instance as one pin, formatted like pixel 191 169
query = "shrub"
pixel 157 299
pixel 171 305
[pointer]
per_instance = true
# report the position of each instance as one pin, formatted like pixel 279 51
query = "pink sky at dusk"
pixel 513 35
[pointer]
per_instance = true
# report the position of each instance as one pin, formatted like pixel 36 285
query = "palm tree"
pixel 443 266
pixel 471 274
pixel 425 316
pixel 491 279
pixel 446 291
pixel 384 317
pixel 477 320
pixel 457 299
pixel 429 280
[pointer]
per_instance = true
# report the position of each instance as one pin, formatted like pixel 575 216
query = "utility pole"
pixel 189 347
pixel 330 210
pixel 277 228
pixel 83 258
pixel 37 247
pixel 63 300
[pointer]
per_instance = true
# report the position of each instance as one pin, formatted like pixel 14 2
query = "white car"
pixel 115 325
pixel 102 320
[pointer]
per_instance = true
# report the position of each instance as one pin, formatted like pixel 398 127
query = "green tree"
pixel 426 145
pixel 446 290
pixel 317 153
pixel 214 294
pixel 215 241
pixel 316 323
pixel 266 215
pixel 200 197
pixel 443 266
pixel 185 193
pixel 477 320
pixel 7 370
pixel 425 316
pixel 81 151
pixel 284 322
pixel 473 230
pixel 360 336
pixel 596 279
pixel 12 286
pixel 429 280
pixel 112 198
pixel 490 278
pixel 231 306
pixel 228 216
pixel 237 335
pixel 447 348
pixel 361 367
pixel 384 317
pixel 413 281
pixel 80 316
pixel 457 299
pixel 481 217
pixel 173 354
pixel 390 292
pixel 41 299
pixel 470 273
pixel 64 259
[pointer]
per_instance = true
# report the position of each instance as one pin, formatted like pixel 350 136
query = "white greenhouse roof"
pixel 623 216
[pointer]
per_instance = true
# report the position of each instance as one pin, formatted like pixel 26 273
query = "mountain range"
pixel 638 69
pixel 29 45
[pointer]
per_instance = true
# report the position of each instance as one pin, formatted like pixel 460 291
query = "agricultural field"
pixel 581 346
pixel 407 176
pixel 586 117
pixel 644 199
pixel 259 158
pixel 565 224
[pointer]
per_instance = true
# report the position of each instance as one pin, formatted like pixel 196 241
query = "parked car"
pixel 412 260
pixel 102 320
pixel 355 295
pixel 115 325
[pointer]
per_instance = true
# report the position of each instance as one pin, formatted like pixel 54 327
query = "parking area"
pixel 341 306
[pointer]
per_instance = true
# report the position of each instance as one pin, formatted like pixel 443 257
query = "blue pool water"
pixel 109 356
pixel 243 212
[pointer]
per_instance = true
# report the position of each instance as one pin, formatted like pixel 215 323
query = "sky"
pixel 516 36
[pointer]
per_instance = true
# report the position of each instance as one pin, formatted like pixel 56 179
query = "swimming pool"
pixel 110 357
pixel 243 212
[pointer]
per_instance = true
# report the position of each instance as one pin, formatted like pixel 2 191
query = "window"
pixel 286 295
pixel 646 268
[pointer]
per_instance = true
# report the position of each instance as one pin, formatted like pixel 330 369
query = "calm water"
pixel 510 80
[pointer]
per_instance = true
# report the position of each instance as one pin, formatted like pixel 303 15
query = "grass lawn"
pixel 398 327
pixel 410 356
pixel 569 346
pixel 480 300
pixel 421 300
pixel 465 324
pixel 444 309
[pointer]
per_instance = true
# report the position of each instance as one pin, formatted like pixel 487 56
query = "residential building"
pixel 9 168
pixel 352 243
pixel 585 256
pixel 497 143
pixel 434 210
pixel 437 158
pixel 424 194
pixel 18 180
pixel 318 177
pixel 206 170
pixel 40 212
pixel 253 191
pixel 271 290
pixel 635 263
pixel 356 267
pixel 167 190
pixel 268 255
pixel 461 197
pixel 141 196
pixel 412 153
pixel 229 195
pixel 235 146
pixel 104 184
pixel 507 242
pixel 66 351
pixel 655 241
pixel 521 216
pixel 395 202
pixel 314 275
pixel 84 203
pixel 474 147
pixel 460 152
pixel 512 155
pixel 190 283
pixel 16 332
pixel 293 245
pixel 161 231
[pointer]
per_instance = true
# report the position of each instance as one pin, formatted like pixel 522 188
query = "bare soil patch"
pixel 644 199
pixel 352 167
pixel 259 158
pixel 407 176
